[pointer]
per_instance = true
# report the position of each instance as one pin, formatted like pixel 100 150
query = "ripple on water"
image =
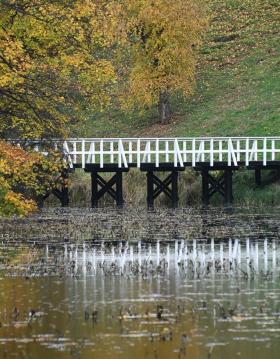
pixel 111 299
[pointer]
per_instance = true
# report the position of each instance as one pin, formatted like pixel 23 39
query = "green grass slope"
pixel 238 81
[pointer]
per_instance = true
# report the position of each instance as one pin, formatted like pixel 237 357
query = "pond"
pixel 184 284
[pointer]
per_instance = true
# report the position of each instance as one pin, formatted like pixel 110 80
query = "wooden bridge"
pixel 169 155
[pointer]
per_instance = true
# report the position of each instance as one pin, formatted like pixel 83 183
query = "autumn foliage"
pixel 161 39
pixel 52 65
pixel 61 61
pixel 24 177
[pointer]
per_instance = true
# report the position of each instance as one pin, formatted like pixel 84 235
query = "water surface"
pixel 196 296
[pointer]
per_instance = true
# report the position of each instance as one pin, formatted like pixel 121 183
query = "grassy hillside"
pixel 237 93
pixel 238 81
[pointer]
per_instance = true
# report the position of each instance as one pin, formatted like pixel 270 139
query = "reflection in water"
pixel 180 299
pixel 137 284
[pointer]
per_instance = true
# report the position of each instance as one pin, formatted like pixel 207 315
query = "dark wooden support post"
pixel 150 190
pixel 174 189
pixel 94 190
pixel 64 197
pixel 64 189
pixel 100 186
pixel 205 188
pixel 156 186
pixel 228 198
pixel 119 189
pixel 258 177
pixel 63 193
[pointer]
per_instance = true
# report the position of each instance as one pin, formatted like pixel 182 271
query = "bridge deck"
pixel 167 166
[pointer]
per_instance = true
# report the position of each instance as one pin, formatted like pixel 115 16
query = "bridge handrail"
pixel 180 151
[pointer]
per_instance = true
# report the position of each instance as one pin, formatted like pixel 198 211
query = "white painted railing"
pixel 125 152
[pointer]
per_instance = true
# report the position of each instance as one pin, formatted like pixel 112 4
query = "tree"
pixel 159 40
pixel 60 60
pixel 25 176
pixel 53 64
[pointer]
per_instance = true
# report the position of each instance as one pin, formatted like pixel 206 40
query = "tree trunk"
pixel 164 107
